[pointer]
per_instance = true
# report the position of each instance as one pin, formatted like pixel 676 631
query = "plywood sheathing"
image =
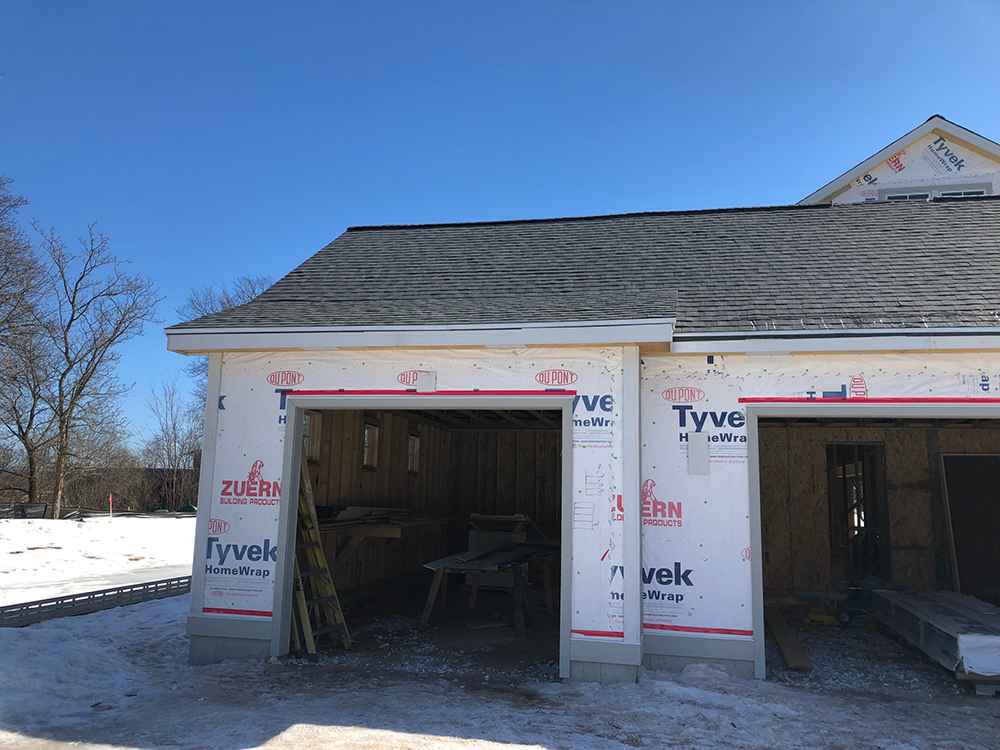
pixel 795 497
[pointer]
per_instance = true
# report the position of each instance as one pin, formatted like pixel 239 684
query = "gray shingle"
pixel 879 265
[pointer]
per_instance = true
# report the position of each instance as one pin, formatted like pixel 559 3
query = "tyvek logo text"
pixel 589 410
pixel 217 554
pixel 730 423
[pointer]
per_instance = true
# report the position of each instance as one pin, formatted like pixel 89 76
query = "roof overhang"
pixel 652 331
pixel 956 132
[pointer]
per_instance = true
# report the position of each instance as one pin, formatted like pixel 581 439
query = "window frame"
pixel 370 448
pixel 413 452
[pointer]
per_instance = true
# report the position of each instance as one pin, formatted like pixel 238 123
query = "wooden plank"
pixel 524 471
pixel 792 651
pixel 375 531
pixel 329 467
pixel 942 624
pixel 952 612
pixel 486 475
pixel 506 472
pixel 439 575
pixel 350 455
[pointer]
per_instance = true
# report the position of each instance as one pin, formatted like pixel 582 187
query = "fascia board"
pixel 198 341
pixel 842 341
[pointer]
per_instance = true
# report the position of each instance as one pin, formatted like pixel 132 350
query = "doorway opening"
pixel 859 538
pixel 867 525
pixel 442 529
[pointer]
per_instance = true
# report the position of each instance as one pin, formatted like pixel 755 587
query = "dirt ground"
pixel 120 679
pixel 863 659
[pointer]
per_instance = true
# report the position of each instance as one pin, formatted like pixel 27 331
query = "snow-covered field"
pixel 40 558
pixel 119 679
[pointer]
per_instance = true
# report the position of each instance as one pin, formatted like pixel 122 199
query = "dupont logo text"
pixel 683 394
pixel 411 377
pixel 556 377
pixel 254 490
pixel 285 378
pixel 218 526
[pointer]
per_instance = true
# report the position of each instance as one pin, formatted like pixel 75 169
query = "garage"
pixel 443 523
pixel 879 528
pixel 679 378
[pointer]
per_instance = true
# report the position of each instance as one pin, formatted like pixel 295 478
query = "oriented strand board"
pixel 809 510
pixel 795 497
pixel 776 527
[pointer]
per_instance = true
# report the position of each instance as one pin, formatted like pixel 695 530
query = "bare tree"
pixel 94 307
pixel 102 463
pixel 209 300
pixel 26 363
pixel 24 414
pixel 20 273
pixel 173 448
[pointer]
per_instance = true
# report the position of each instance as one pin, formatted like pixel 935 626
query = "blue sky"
pixel 212 140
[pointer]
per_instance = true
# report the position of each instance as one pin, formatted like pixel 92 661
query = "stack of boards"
pixel 960 632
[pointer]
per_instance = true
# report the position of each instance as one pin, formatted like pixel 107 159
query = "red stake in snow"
pixel 110 507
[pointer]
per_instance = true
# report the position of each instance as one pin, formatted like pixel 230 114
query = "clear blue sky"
pixel 214 140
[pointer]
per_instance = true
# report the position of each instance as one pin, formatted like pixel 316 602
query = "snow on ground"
pixel 119 679
pixel 40 558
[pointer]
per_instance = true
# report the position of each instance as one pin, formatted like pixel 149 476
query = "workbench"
pixel 513 557
pixel 354 527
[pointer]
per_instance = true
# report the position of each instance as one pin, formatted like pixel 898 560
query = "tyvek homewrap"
pixel 932 158
pixel 699 524
pixel 239 554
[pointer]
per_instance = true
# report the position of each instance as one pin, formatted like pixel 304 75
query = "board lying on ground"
pixel 958 631
pixel 793 651
pixel 28 613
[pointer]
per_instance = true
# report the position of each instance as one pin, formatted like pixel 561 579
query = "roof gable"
pixel 936 152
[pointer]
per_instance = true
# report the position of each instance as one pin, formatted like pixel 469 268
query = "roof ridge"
pixel 589 217
pixel 640 214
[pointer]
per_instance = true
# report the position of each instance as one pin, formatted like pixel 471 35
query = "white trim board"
pixel 837 340
pixel 592 333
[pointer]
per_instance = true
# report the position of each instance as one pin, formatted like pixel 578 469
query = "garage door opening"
pixel 876 532
pixel 441 528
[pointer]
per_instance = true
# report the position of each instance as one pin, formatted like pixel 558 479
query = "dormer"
pixel 938 159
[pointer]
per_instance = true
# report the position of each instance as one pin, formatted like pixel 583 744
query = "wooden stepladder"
pixel 317 607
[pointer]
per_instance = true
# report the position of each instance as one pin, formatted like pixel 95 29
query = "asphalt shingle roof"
pixel 881 265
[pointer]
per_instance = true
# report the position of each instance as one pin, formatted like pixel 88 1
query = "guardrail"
pixel 28 613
